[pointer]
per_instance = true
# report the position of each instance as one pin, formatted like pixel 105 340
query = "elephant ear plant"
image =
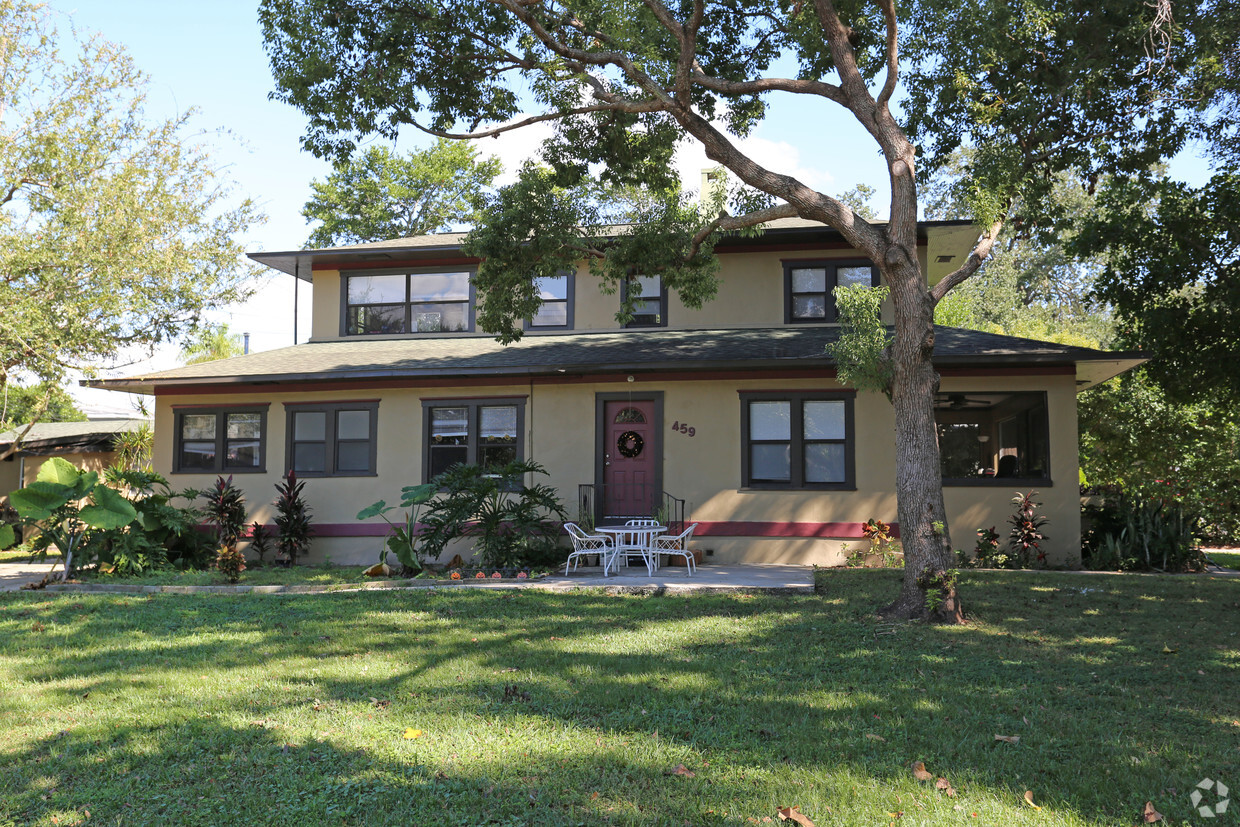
pixel 402 540
pixel 63 504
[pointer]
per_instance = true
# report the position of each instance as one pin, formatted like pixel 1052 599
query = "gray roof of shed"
pixel 46 436
pixel 623 351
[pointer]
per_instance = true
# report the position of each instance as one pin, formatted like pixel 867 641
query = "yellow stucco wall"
pixel 750 295
pixel 704 469
pixel 9 470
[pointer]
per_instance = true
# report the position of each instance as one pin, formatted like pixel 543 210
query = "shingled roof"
pixel 65 437
pixel 603 352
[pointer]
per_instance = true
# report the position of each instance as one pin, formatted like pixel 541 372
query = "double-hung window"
pixel 809 286
pixel 556 312
pixel 420 302
pixel 483 432
pixel 332 440
pixel 797 440
pixel 217 440
pixel 649 301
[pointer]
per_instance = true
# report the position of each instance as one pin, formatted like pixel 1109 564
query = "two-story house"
pixel 733 410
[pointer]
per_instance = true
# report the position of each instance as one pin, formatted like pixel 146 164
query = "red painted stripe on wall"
pixel 704 529
pixel 775 529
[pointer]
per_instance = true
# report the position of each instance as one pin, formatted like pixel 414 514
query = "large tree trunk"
pixel 929 589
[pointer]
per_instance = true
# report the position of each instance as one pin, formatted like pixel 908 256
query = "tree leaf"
pixel 794 814
pixel 38 500
pixel 60 471
pixel 1028 799
pixel 7 536
pixel 417 494
pixel 373 510
pixel 944 785
pixel 109 510
pixel 683 771
pixel 920 772
pixel 1008 739
pixel 1149 815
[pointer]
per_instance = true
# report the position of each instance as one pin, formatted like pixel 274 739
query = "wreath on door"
pixel 630 444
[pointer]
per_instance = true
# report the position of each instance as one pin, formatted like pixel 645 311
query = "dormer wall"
pixel 754 292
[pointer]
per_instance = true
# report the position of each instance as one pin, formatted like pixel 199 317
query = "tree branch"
pixel 979 254
pixel 616 106
pixel 755 87
pixel 740 222
pixel 893 54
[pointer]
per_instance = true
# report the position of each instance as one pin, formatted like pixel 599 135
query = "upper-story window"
pixel 649 301
pixel 422 302
pixel 556 312
pixel 809 286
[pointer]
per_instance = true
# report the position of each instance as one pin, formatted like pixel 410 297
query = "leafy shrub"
pixel 1131 532
pixel 174 530
pixel 293 528
pixel 53 505
pixel 231 562
pixel 882 552
pixel 515 525
pixel 225 507
pixel 988 553
pixel 1026 537
pixel 260 541
pixel 402 539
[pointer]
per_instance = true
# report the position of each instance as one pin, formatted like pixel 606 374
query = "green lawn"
pixel 1227 559
pixel 575 708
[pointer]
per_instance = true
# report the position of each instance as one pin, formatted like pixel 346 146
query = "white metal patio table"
pixel 632 539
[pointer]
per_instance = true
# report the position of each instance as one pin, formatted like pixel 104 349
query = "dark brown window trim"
pixel 332 443
pixel 471 404
pixel 221 424
pixel 831 265
pixel 569 302
pixel 407 304
pixel 797 444
pixel 1045 481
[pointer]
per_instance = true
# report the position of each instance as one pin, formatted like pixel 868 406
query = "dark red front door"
pixel 629 459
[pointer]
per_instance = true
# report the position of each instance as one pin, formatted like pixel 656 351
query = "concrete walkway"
pixel 15 575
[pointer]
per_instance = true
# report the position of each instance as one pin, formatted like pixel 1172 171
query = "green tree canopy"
pixel 116 230
pixel 209 343
pixel 44 402
pixel 377 194
pixel 1038 87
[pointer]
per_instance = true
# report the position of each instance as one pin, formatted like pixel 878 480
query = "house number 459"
pixel 684 428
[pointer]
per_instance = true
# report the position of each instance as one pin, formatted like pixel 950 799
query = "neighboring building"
pixel 733 409
pixel 90 445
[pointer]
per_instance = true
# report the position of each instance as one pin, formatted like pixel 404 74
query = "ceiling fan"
pixel 959 401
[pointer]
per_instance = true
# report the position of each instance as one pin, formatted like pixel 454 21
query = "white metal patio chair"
pixel 677 546
pixel 644 549
pixel 584 544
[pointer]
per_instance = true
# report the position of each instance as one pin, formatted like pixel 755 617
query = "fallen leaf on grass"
pixel 1029 800
pixel 380 704
pixel 413 733
pixel 1008 739
pixel 794 814
pixel 920 773
pixel 874 737
pixel 1149 815
pixel 682 771
pixel 945 786
pixel 1167 650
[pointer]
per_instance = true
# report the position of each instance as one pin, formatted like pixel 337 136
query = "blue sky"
pixel 209 56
